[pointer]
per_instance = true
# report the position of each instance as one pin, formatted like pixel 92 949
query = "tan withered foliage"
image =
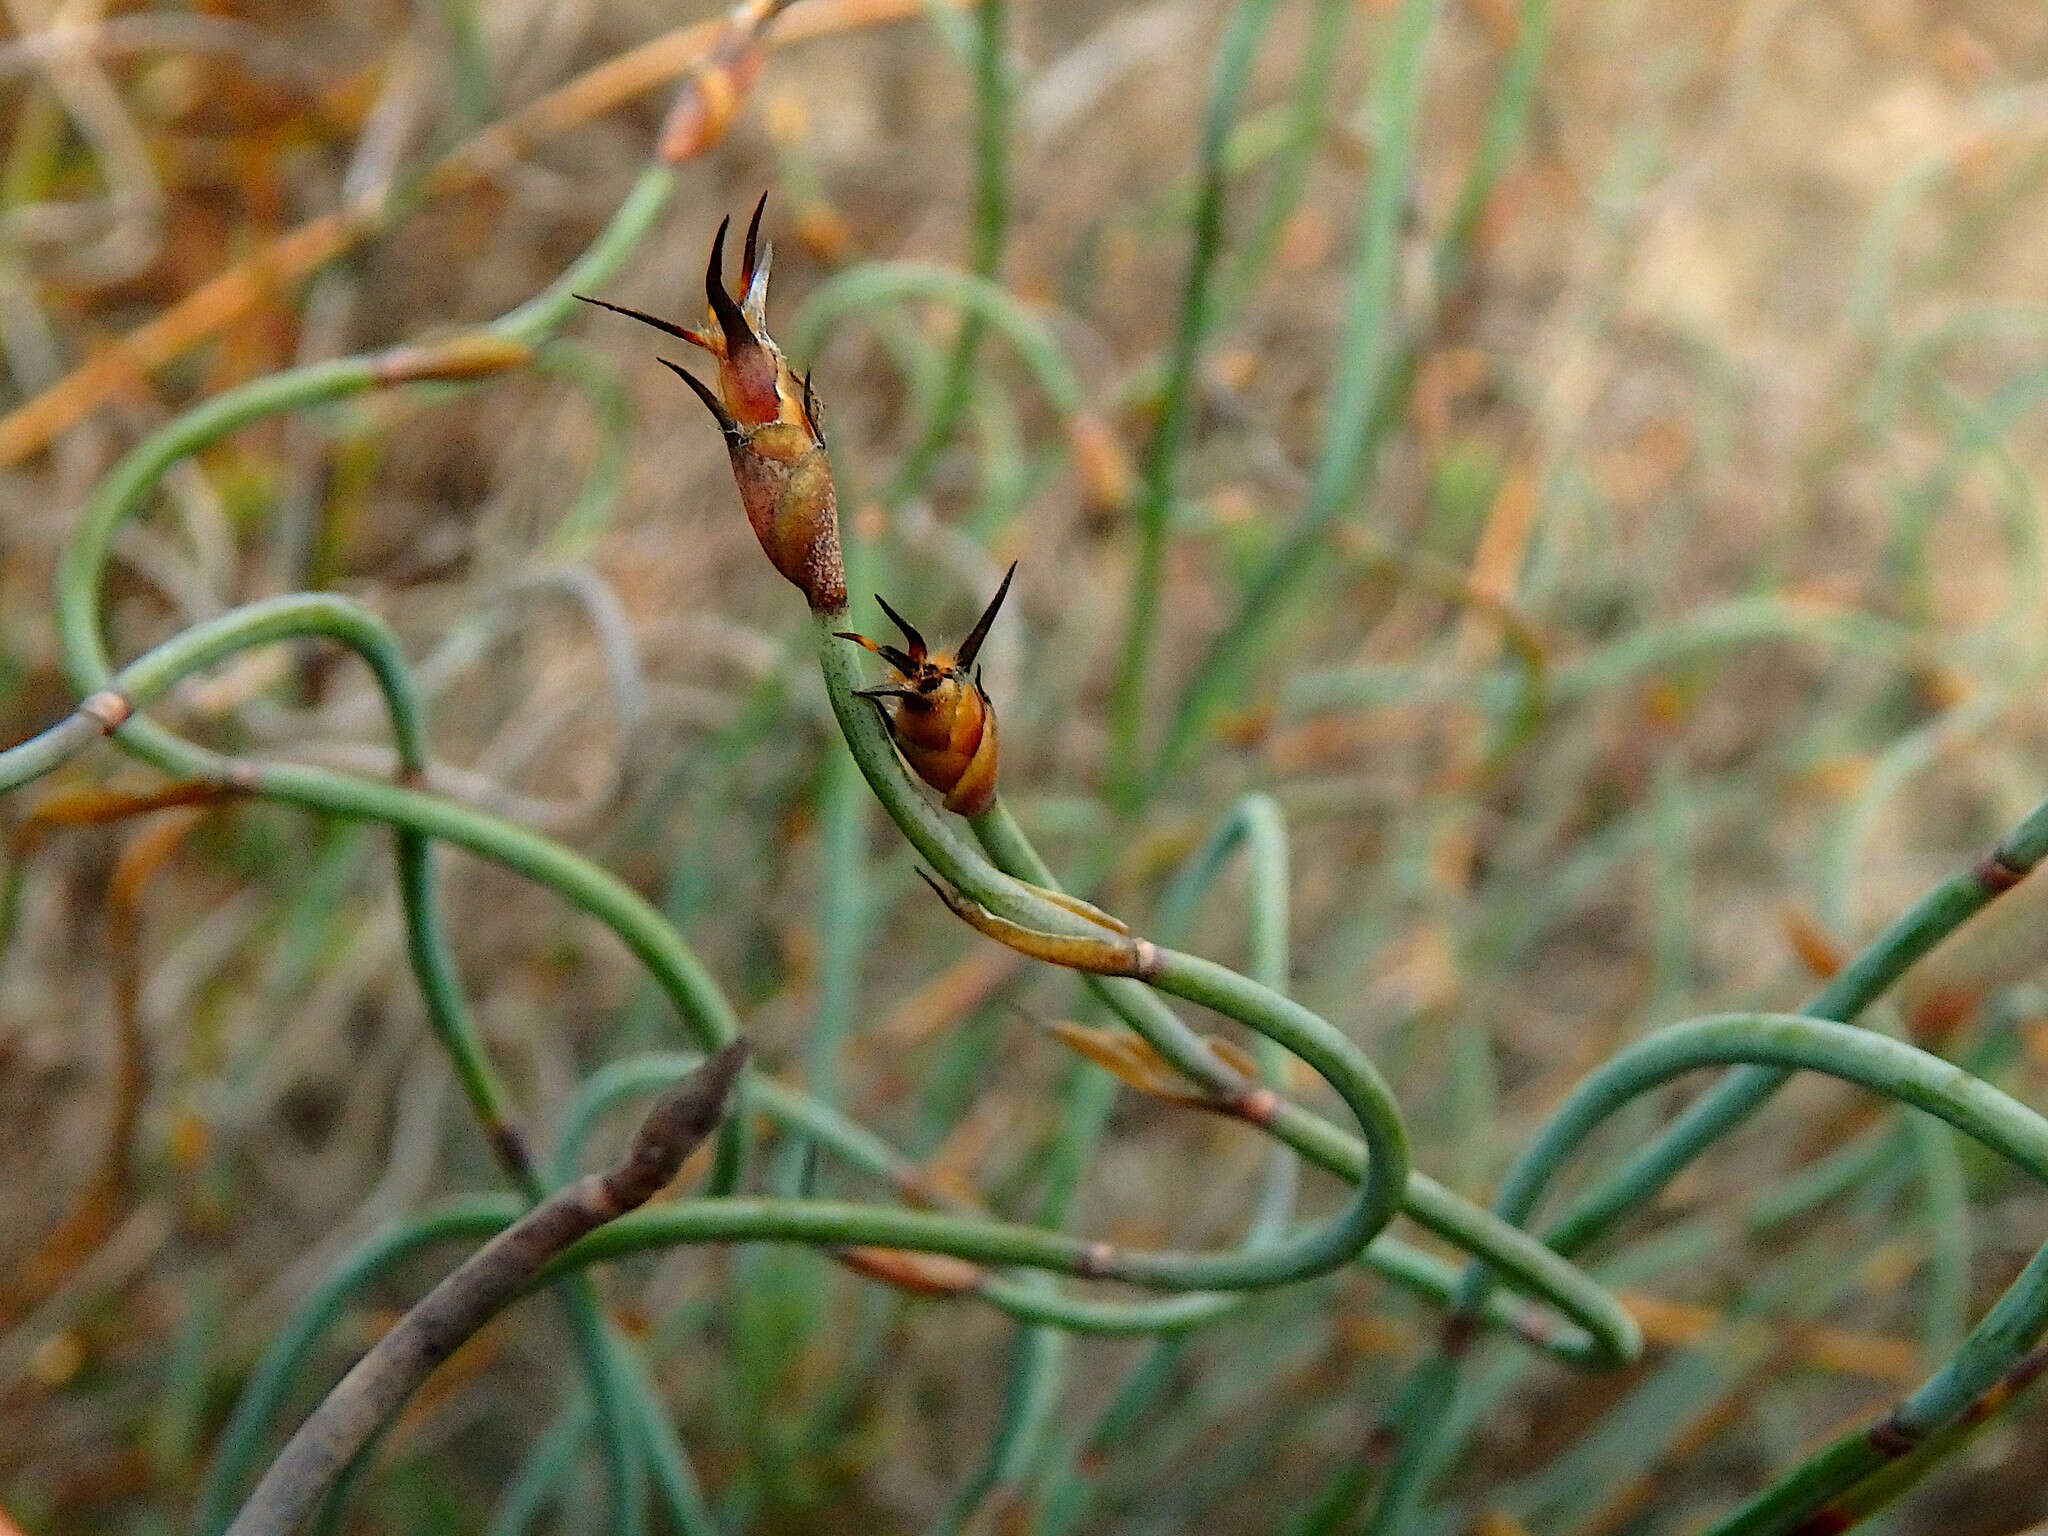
pixel 718 82
pixel 769 418
pixel 1116 952
pixel 100 1203
pixel 1133 1062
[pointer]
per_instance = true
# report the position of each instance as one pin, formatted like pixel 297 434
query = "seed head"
pixel 941 719
pixel 768 416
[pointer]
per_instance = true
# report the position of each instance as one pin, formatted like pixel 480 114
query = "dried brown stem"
pixel 487 1281
pixel 222 300
pixel 97 1209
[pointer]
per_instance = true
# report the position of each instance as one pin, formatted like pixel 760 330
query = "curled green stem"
pixel 1777 1044
pixel 1015 886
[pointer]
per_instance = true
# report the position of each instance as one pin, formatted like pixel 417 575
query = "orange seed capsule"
pixel 941 719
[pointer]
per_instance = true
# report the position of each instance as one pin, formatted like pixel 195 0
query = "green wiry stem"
pixel 52 749
pixel 297 616
pixel 1357 413
pixel 1778 1045
pixel 1603 1333
pixel 1257 823
pixel 863 1150
pixel 1864 1471
pixel 430 817
pixel 1365 1093
pixel 865 287
pixel 1506 126
pixel 1859 984
pixel 1859 1473
pixel 985 258
pixel 1154 507
pixel 1307 127
pixel 832 1223
pixel 311 615
pixel 471 1219
pixel 1609 1335
pixel 126 490
pixel 367 1399
pixel 1022 1438
pixel 307 615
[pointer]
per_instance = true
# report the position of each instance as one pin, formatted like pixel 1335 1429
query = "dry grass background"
pixel 1739 410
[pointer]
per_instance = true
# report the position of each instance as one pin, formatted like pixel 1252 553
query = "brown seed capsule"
pixel 769 418
pixel 943 723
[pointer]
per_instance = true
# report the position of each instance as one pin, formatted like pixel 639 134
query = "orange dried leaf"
pixel 716 84
pixel 1114 1050
pixel 1107 479
pixel 1128 1059
pixel 1818 950
pixel 922 1274
pixel 705 106
pixel 823 231
pixel 1234 1056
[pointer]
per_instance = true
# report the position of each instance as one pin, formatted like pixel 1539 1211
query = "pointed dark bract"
pixel 734 437
pixel 667 327
pixel 750 260
pixel 766 414
pixel 918 649
pixel 943 722
pixel 888 653
pixel 738 334
pixel 813 412
pixel 971 646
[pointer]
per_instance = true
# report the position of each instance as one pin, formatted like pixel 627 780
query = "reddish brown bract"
pixel 769 418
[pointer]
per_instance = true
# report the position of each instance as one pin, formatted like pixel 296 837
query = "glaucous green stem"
pixel 863 288
pixel 991 224
pixel 1604 1334
pixel 80 572
pixel 1780 1044
pixel 1357 416
pixel 1867 977
pixel 1859 984
pixel 468 1220
pixel 1609 1334
pixel 1153 510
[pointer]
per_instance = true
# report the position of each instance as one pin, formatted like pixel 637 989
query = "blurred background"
pixel 1675 623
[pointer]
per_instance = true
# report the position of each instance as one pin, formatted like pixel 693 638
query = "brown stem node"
pixel 109 708
pixel 1095 1261
pixel 1996 875
pixel 1891 1438
pixel 1259 1107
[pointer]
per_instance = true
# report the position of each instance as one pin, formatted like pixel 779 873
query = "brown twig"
pixel 487 1281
